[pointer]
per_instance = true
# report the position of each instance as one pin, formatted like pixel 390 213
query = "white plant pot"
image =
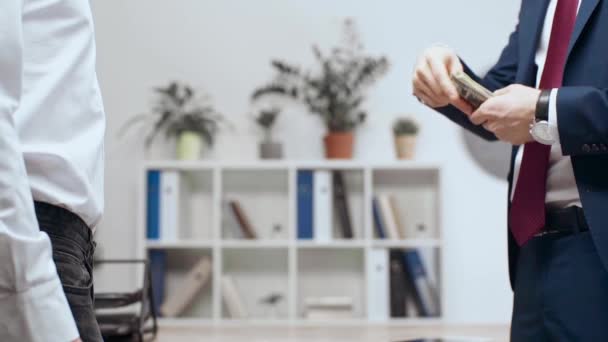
pixel 405 145
pixel 189 146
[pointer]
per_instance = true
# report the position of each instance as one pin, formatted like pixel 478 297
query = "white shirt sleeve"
pixel 33 306
pixel 553 116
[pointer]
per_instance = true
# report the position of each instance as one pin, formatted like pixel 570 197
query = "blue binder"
pixel 153 205
pixel 305 204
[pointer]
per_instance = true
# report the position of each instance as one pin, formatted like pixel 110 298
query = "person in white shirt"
pixel 60 126
pixel 33 306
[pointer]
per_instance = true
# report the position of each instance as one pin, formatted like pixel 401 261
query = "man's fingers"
pixel 428 100
pixel 424 75
pixel 463 105
pixel 479 117
pixel 442 78
pixel 454 64
pixel 420 86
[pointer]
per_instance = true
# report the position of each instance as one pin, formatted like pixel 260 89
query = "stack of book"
pixel 400 285
pixel 319 308
pixel 321 195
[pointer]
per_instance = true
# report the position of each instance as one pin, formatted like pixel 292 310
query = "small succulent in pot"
pixel 405 126
pixel 266 120
pixel 405 131
pixel 180 114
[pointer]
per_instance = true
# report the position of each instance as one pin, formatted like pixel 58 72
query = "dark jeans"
pixel 561 291
pixel 73 249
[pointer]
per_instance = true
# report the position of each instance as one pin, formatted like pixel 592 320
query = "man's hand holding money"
pixel 432 83
pixel 508 113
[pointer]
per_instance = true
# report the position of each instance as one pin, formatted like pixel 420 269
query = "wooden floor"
pixel 327 334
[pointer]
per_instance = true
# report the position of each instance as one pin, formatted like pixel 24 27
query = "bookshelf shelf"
pixel 193 244
pixel 410 243
pixel 255 244
pixel 344 244
pixel 278 261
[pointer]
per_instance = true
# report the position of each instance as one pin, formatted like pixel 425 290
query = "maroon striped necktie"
pixel 527 213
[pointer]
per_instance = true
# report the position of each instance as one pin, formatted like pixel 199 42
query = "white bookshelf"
pixel 278 261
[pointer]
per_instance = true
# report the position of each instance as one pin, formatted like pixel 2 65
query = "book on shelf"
pixel 388 217
pixel 232 299
pixel 401 229
pixel 378 285
pixel 398 285
pixel 378 223
pixel 305 204
pixel 425 295
pixel 163 205
pixel 243 220
pixel 322 206
pixel 158 265
pixel 341 204
pixel 196 280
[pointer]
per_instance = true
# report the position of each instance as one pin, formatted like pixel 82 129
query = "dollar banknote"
pixel 472 92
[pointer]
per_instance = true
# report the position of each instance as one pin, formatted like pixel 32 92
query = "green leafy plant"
pixel 177 110
pixel 337 91
pixel 405 126
pixel 266 119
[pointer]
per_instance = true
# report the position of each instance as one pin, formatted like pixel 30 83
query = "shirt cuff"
pixel 40 314
pixel 553 116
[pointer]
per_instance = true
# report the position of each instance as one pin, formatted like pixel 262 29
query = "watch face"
pixel 541 132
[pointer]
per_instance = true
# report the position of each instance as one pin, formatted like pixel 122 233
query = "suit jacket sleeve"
pixel 501 75
pixel 582 113
pixel 33 306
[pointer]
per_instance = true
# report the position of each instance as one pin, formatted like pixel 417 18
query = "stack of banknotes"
pixel 472 92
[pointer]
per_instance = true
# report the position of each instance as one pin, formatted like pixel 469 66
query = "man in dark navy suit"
pixel 551 102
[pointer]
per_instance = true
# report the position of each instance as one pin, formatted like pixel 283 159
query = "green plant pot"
pixel 189 146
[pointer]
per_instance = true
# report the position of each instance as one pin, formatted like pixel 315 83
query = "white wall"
pixel 225 46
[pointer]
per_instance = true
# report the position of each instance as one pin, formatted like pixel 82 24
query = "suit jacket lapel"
pixel 585 11
pixel 530 29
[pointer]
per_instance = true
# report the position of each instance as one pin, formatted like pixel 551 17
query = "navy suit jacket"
pixel 582 105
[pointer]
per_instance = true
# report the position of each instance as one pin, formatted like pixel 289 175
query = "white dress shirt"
pixel 33 307
pixel 61 119
pixel 562 191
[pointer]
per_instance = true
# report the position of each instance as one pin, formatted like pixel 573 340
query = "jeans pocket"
pixel 75 278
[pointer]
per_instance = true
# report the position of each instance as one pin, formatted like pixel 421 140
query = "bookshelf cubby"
pixel 277 261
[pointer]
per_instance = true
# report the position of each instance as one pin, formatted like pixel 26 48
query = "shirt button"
pixel 595 148
pixel 586 148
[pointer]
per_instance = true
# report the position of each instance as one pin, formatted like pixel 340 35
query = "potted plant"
pixel 192 120
pixel 266 119
pixel 405 131
pixel 335 91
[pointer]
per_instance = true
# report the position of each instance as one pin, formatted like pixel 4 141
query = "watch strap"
pixel 542 105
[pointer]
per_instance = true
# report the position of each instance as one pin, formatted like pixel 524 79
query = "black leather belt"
pixel 570 220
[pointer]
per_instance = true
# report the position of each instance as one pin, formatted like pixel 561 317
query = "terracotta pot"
pixel 339 145
pixel 271 150
pixel 189 146
pixel 405 146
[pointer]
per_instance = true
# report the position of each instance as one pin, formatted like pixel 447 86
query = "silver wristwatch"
pixel 540 129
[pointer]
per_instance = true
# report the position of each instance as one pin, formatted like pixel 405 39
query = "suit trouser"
pixel 561 291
